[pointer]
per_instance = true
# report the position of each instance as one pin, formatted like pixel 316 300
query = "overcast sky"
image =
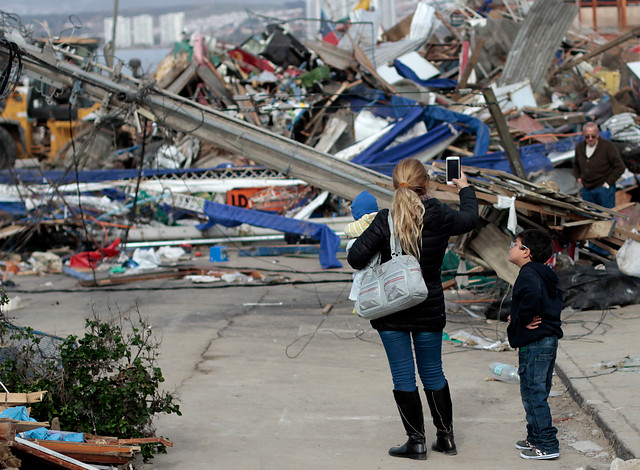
pixel 44 7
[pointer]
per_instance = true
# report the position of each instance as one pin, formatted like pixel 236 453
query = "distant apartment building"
pixel 142 30
pixel 339 9
pixel 123 31
pixel 171 27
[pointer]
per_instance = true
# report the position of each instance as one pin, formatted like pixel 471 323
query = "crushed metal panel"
pixel 498 35
pixel 423 22
pixel 387 52
pixel 516 95
pixel 534 47
pixel 332 55
pixel 363 31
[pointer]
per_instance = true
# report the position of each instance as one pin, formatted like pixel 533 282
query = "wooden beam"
pixel 14 399
pixel 22 426
pixel 55 458
pixel 92 453
pixel 564 118
pixel 589 229
pixel 492 245
pixel 503 130
pixel 471 64
pixel 624 233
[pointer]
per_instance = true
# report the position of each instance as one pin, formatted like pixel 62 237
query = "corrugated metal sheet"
pixel 363 29
pixel 387 52
pixel 366 23
pixel 623 127
pixel 540 35
pixel 422 23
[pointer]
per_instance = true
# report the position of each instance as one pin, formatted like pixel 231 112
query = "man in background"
pixel 597 166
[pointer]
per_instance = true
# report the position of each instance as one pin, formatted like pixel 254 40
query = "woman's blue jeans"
pixel 428 349
pixel 536 362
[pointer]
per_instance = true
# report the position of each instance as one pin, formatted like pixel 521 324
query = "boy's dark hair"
pixel 539 244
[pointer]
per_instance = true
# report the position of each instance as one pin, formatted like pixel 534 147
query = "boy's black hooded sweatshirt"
pixel 535 293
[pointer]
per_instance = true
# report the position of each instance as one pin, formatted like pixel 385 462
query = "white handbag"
pixel 391 286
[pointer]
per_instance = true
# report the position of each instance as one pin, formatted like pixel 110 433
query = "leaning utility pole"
pixel 274 151
pixel 503 131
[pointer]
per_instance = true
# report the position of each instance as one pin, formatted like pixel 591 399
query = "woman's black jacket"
pixel 440 223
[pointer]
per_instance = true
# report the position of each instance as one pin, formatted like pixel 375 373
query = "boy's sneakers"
pixel 523 444
pixel 538 454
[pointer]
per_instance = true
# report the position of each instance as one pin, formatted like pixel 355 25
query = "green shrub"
pixel 106 383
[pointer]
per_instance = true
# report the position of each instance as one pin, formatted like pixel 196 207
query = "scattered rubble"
pixel 118 179
pixel 327 117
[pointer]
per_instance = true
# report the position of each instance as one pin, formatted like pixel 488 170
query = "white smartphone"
pixel 452 169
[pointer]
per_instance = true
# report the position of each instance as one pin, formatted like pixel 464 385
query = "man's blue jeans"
pixel 428 348
pixel 536 362
pixel 602 196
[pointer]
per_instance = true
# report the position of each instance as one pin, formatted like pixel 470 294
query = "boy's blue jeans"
pixel 536 362
pixel 428 348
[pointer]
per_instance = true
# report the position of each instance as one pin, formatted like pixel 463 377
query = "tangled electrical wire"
pixel 11 68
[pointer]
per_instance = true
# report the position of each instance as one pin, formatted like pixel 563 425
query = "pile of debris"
pixel 26 443
pixel 507 89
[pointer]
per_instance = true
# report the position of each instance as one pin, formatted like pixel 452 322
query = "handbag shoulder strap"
pixel 394 241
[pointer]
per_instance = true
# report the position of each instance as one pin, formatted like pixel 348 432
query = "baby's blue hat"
pixel 363 204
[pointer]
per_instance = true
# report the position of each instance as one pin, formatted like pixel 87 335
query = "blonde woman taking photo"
pixel 424 226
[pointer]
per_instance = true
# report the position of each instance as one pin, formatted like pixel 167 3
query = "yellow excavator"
pixel 36 122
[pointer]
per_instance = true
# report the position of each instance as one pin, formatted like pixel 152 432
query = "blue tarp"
pixel 16 209
pixel 20 413
pixel 231 216
pixel 406 72
pixel 534 157
pixel 45 434
pixel 441 124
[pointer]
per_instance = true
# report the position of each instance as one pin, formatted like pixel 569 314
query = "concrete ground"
pixel 267 381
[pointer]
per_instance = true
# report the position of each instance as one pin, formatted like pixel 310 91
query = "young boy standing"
pixel 534 328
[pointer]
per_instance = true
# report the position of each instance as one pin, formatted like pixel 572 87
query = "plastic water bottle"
pixel 504 372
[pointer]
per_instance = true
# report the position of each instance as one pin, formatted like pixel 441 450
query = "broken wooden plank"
pixel 332 132
pixel 91 438
pixel 587 229
pixel 15 399
pixel 448 194
pixel 48 455
pixel 22 426
pixel 91 453
pixel 183 79
pixel 561 119
pixel 12 230
pixel 114 281
pixel 215 84
pixel 624 233
pixel 492 245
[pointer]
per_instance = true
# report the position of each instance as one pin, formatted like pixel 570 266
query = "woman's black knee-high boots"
pixel 410 408
pixel 442 413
